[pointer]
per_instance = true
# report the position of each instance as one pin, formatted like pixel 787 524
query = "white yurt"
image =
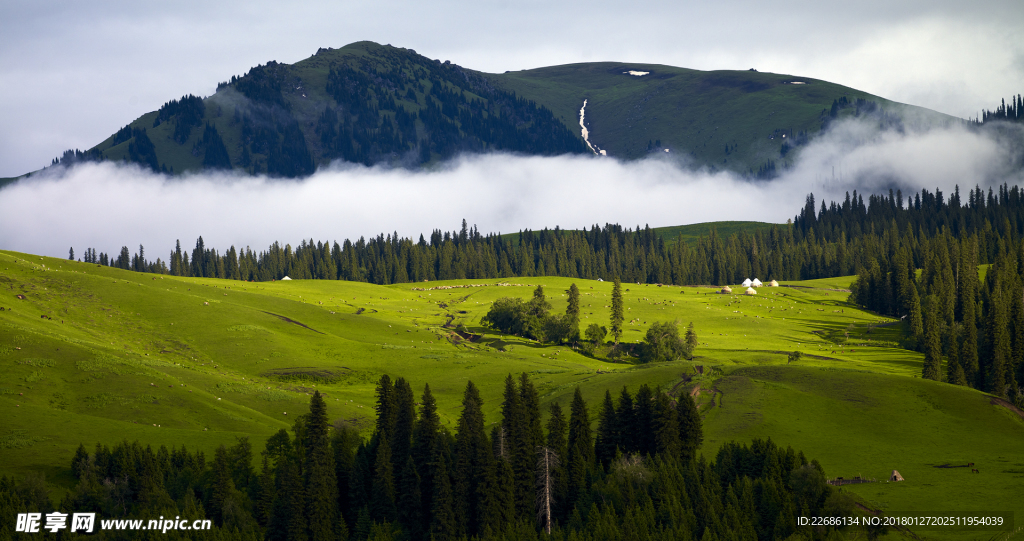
pixel 773 283
pixel 285 278
pixel 726 290
pixel 746 283
pixel 750 291
pixel 755 283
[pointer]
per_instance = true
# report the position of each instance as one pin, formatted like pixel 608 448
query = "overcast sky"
pixel 74 71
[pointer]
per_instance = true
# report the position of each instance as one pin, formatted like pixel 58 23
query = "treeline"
pixel 839 239
pixel 1012 112
pixel 636 477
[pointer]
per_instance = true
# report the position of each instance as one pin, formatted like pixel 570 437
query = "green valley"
pixel 98 354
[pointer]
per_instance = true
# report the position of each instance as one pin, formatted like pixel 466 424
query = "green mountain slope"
pixel 368 103
pixel 735 120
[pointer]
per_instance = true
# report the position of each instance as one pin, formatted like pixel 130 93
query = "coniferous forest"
pixel 912 258
pixel 527 476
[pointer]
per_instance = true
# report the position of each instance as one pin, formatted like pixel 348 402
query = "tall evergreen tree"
pixel 443 519
pixel 691 433
pixel 626 435
pixel 558 446
pixel 691 337
pixel 382 496
pixel 320 476
pixel 932 346
pixel 572 313
pixel 580 457
pixel 605 444
pixel 473 460
pixel 617 316
pixel 666 426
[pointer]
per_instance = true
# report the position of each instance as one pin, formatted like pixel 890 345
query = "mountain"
pixel 369 103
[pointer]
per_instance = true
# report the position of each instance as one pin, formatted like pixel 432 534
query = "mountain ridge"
pixel 371 104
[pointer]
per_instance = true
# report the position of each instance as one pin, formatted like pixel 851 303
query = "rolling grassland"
pixel 95 354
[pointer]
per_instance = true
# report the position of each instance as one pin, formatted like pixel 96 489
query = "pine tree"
pixel 556 443
pixel 644 420
pixel 473 460
pixel 691 434
pixel 605 443
pixel 410 500
pixel 691 337
pixel 288 519
pixel 617 312
pixel 626 435
pixel 321 481
pixel 405 417
pixel 443 521
pixel 666 426
pixel 580 457
pixel 382 495
pixel 932 346
pixel 387 408
pixel 572 313
pixel 71 253
pixel 916 322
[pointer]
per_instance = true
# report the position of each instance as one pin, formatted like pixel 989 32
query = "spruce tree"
pixel 410 500
pixel 473 460
pixel 405 417
pixel 443 520
pixel 644 420
pixel 691 433
pixel 572 313
pixel 916 328
pixel 691 337
pixel 580 458
pixel 320 476
pixel 626 435
pixel 382 495
pixel 932 346
pixel 557 446
pixel 605 444
pixel 666 426
pixel 288 519
pixel 617 316
pixel 386 409
pixel 424 438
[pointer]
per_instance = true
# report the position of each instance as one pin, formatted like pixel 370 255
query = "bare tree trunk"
pixel 548 460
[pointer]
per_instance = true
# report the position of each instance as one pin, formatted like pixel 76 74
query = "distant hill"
pixel 369 103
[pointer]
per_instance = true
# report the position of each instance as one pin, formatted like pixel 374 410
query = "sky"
pixel 74 71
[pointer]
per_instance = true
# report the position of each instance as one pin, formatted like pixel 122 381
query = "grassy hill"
pixel 733 120
pixel 95 354
pixel 371 103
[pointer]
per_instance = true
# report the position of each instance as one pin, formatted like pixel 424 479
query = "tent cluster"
pixel 754 283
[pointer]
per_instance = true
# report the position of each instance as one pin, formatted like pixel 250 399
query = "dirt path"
pixel 289 320
pixel 1007 405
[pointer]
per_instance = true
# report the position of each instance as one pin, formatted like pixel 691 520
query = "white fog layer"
pixel 106 206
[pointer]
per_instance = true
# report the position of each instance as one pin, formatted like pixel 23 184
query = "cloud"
pixel 106 206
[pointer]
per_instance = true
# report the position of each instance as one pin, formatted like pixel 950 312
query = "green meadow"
pixel 95 354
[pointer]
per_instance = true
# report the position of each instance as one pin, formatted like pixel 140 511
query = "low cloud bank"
pixel 106 206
